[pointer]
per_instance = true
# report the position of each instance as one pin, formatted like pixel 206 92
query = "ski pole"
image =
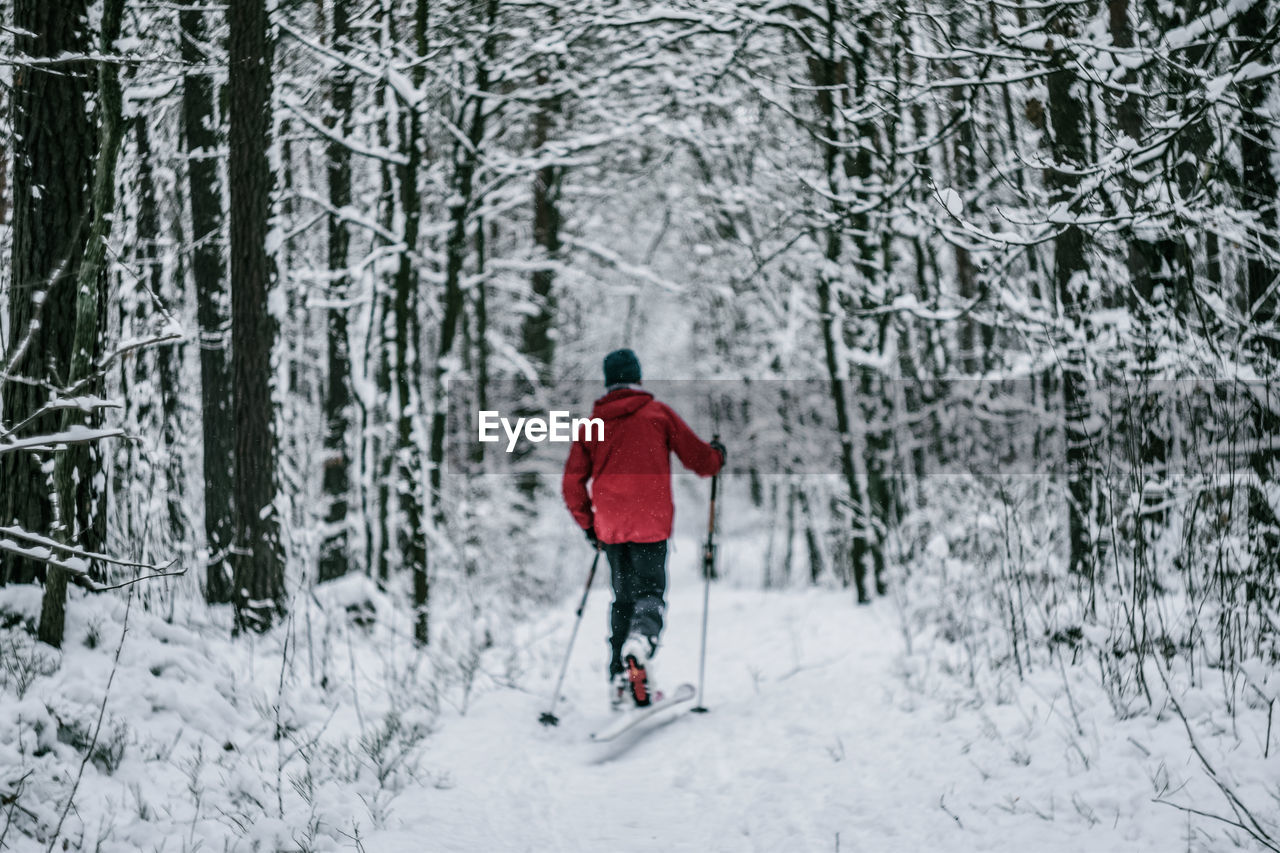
pixel 548 717
pixel 708 569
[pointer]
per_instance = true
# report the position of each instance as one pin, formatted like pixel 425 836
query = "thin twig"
pixel 142 578
pixel 1217 817
pixel 1253 827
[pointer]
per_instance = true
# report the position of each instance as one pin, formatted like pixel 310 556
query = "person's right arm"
pixel 577 472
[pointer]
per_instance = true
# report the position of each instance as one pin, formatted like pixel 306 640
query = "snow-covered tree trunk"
pixel 1072 287
pixel 334 547
pixel 208 272
pixel 380 455
pixel 873 280
pixel 74 467
pixel 539 343
pixel 53 147
pixel 466 159
pixel 411 536
pixel 151 246
pixel 1258 192
pixel 826 69
pixel 258 556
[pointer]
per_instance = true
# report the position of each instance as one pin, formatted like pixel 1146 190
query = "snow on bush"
pixel 297 740
pixel 1094 680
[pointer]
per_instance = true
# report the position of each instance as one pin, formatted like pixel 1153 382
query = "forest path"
pixel 813 743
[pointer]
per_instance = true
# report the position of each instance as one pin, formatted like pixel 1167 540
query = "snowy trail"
pixel 811 744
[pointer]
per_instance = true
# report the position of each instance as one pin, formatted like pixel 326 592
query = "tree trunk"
pixel 481 313
pixel 872 507
pixel 412 537
pixel 258 557
pixel 825 74
pixel 1259 193
pixel 1146 263
pixel 466 157
pixel 379 462
pixel 964 174
pixel 1068 154
pixel 53 145
pixel 73 468
pixel 208 272
pixel 539 345
pixel 334 549
pixel 169 356
pixel 1172 265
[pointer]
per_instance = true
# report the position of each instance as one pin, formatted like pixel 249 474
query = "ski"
pixel 683 693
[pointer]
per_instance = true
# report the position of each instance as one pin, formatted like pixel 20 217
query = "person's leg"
pixel 623 603
pixel 648 589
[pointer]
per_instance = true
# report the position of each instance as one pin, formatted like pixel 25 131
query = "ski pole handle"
pixel 715 481
pixel 709 552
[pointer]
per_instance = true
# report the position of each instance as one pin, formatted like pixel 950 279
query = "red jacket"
pixel 630 470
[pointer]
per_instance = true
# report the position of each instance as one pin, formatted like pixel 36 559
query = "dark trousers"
pixel 639 573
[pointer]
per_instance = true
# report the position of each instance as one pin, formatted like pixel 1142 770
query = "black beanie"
pixel 621 367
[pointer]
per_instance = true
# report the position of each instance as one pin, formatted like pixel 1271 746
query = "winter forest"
pixel 981 297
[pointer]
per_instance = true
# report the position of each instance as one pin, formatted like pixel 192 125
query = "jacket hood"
pixel 620 403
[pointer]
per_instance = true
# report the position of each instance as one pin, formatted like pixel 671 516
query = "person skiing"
pixel 619 492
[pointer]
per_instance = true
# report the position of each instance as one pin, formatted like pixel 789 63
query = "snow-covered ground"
pixel 822 735
pixel 815 741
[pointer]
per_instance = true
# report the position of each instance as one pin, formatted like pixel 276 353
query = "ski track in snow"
pixel 807 739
